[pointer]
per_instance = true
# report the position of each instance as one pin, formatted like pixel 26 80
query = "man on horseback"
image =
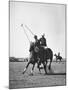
pixel 34 48
pixel 43 43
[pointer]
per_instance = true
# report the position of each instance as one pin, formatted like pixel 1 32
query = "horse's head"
pixel 31 46
pixel 34 47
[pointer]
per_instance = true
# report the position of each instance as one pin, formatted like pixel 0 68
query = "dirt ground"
pixel 18 80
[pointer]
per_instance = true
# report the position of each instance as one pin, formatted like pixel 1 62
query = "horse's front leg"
pixel 38 66
pixel 45 69
pixel 26 67
pixel 32 69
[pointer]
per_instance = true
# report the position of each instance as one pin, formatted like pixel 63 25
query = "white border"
pixel 4 24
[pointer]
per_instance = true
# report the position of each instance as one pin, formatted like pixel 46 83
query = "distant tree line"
pixel 14 59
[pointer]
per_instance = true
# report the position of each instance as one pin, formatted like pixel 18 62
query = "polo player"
pixel 34 48
pixel 36 44
pixel 43 41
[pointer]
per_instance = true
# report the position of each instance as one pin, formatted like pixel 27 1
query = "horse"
pixel 40 55
pixel 32 59
pixel 45 54
pixel 58 57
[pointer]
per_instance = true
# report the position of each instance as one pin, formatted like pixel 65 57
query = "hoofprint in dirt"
pixel 18 80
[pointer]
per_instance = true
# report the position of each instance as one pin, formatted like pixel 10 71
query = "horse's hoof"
pixel 31 74
pixel 45 73
pixel 23 72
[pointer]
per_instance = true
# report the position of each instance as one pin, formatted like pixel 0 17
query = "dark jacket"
pixel 37 43
pixel 43 41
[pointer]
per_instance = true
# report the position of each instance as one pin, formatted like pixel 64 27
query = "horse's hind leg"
pixel 38 66
pixel 26 67
pixel 50 65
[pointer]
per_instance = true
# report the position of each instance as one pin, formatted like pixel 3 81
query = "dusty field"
pixel 18 80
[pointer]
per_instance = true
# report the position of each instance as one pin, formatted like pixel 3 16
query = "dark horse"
pixel 40 55
pixel 58 57
pixel 45 55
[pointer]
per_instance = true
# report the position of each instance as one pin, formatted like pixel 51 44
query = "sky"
pixel 40 18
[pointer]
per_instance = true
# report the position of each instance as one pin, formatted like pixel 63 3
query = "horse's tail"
pixel 48 53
